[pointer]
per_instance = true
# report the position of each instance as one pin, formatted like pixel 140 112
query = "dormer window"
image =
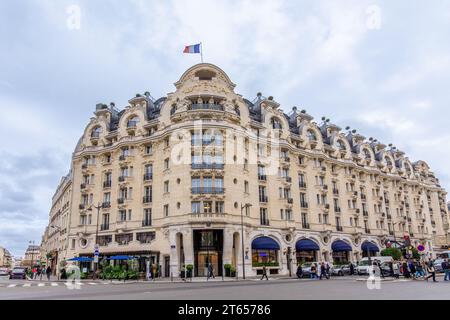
pixel 96 132
pixel 311 136
pixel 340 145
pixel 276 124
pixel 132 123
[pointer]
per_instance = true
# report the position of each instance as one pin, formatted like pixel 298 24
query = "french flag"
pixel 196 48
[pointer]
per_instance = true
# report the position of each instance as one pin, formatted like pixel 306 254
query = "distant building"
pixel 32 256
pixel 5 258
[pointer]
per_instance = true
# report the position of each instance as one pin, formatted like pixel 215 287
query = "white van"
pixel 363 265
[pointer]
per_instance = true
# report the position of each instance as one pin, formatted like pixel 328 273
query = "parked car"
pixel 18 273
pixel 438 265
pixel 344 269
pixel 363 265
pixel 306 268
pixel 4 272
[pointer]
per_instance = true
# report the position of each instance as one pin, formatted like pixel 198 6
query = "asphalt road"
pixel 287 289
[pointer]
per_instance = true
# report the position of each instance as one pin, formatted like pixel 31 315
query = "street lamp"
pixel 96 233
pixel 57 252
pixel 32 252
pixel 247 205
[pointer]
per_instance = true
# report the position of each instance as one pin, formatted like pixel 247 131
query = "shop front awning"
pixel 370 247
pixel 81 259
pixel 118 258
pixel 306 245
pixel 340 246
pixel 265 243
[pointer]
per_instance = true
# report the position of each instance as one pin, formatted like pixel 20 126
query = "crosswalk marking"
pixel 12 285
pixel 93 283
pixel 41 284
pixel 27 285
pixel 54 284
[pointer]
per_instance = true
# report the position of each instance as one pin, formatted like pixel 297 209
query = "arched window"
pixel 388 161
pixel 311 135
pixel 367 154
pixel 96 132
pixel 132 122
pixel 276 123
pixel 341 145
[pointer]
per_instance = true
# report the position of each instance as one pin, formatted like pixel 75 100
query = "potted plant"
pixel 189 269
pixel 183 272
pixel 233 272
pixel 227 268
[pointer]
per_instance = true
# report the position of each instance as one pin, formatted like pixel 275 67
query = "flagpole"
pixel 201 51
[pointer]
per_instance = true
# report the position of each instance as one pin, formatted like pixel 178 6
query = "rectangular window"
pixel 196 207
pixel 147 217
pixel 166 186
pixel 166 210
pixel 122 215
pixel 219 207
pixel 166 164
pixel 263 217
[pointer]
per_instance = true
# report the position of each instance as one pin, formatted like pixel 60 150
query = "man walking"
pixel 264 273
pixel 48 272
pixel 446 269
pixel 210 271
pixel 352 269
pixel 323 271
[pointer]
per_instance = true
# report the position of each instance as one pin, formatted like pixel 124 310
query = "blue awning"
pixel 369 246
pixel 81 259
pixel 120 258
pixel 265 243
pixel 339 246
pixel 306 245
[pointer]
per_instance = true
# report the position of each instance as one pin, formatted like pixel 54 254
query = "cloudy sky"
pixel 381 67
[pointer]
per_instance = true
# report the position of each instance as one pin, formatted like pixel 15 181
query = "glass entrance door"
pixel 204 259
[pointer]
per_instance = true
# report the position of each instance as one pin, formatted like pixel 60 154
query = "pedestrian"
pixel 431 272
pixel 446 269
pixel 328 269
pixel 313 271
pixel 406 273
pixel 412 268
pixel 48 272
pixel 352 268
pixel 264 273
pixel 323 271
pixel 395 270
pixel 63 274
pixel 211 271
pixel 154 272
pixel 299 271
pixel 381 269
pixel 419 270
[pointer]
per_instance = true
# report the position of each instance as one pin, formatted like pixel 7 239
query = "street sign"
pixel 421 248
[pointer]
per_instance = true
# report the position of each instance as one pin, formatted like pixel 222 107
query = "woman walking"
pixel 431 272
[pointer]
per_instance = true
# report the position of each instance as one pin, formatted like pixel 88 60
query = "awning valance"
pixel 369 246
pixel 306 245
pixel 265 243
pixel 339 246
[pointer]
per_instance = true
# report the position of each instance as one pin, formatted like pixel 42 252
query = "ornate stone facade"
pixel 172 178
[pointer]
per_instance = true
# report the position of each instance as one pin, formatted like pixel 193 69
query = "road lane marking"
pixel 55 284
pixel 27 285
pixel 12 285
pixel 41 284
pixel 92 283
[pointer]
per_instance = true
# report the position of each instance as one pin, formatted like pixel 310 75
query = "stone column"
pixel 228 246
pixel 174 251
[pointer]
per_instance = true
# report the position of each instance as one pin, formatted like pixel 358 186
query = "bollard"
pixel 171 276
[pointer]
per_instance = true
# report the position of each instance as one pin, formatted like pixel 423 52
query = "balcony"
pixel 288 179
pixel 107 184
pixel 121 200
pixel 336 192
pixel 147 199
pixel 104 227
pixel 82 206
pixel 122 178
pixel 367 231
pixel 363 197
pixel 148 177
pixel 339 228
pixel 337 209
pixel 305 225
pixel 106 205
pixel 389 217
pixel 290 200
pixel 304 205
pixel 207 166
pixel 302 185
pixel 205 106
pixel 265 222
pixel 286 159
pixel 365 213
pixel 207 190
pixel 84 166
pixel 263 199
pixel 262 177
pixel 146 223
pixel 83 186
